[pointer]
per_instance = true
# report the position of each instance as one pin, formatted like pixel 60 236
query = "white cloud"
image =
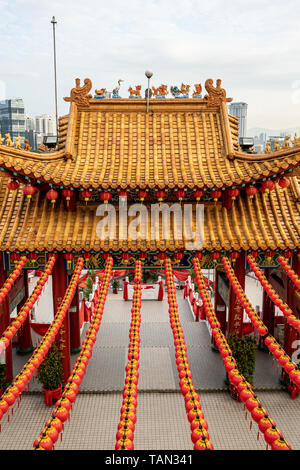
pixel 253 46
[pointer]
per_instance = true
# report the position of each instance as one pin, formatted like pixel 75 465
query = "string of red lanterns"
pixel 11 278
pixel 251 312
pixel 199 426
pixel 20 381
pixel 286 310
pixel 289 271
pixel 17 323
pixel 54 426
pixel 278 352
pixel 266 424
pixel 126 426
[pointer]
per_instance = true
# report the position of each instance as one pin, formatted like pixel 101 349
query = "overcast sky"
pixel 253 46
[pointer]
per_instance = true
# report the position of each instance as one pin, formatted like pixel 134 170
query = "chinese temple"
pixel 182 149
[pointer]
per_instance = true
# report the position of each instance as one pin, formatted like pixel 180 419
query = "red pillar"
pixel 24 337
pixel 59 287
pixel 4 323
pixel 75 342
pixel 235 316
pixel 290 334
pixel 220 306
pixel 268 308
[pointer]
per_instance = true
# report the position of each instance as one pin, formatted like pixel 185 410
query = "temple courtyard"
pixel 161 418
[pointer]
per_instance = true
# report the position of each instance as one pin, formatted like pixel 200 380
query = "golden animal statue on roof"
pixel 8 142
pixel 101 92
pixel 80 94
pixel 135 92
pixel 27 147
pixel 286 142
pixel 162 90
pixel 216 94
pixel 198 89
pixel 295 142
pixel 185 88
pixel 18 143
pixel 2 139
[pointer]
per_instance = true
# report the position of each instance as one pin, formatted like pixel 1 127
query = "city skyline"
pixel 237 42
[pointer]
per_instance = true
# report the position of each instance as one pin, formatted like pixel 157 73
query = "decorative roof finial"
pixel 80 95
pixel 216 95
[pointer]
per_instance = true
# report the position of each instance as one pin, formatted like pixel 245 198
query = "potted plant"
pixel 50 375
pixel 2 377
pixel 243 350
pixel 115 286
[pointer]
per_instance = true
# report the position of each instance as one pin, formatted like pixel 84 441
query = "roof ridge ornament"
pixel 80 95
pixel 216 94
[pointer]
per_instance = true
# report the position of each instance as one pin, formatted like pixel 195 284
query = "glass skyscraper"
pixel 12 118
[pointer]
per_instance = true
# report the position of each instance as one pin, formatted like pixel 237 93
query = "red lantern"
pixel 69 258
pixel 270 253
pixel 86 194
pixel 180 193
pixel 161 194
pixel 13 185
pixel 68 193
pixel 15 257
pixel 126 257
pixel 143 255
pixel 142 194
pixel 216 194
pixel 29 190
pixel 234 255
pixel 178 256
pixel 215 255
pixel 284 183
pixel 268 186
pixel 233 193
pixel 52 195
pixel 198 194
pixel 161 256
pixel 287 254
pixel 32 257
pixel 105 196
pixel 87 255
pixel 123 195
pixel 251 190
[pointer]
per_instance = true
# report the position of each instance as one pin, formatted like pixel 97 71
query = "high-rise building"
pixel 45 125
pixel 12 118
pixel 240 111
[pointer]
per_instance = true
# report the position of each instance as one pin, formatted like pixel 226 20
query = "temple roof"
pixel 116 143
pixel 266 222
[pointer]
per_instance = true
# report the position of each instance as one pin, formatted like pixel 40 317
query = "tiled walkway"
pixel 161 417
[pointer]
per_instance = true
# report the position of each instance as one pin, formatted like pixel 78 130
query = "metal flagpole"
pixel 54 22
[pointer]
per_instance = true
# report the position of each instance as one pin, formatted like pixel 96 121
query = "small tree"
pixel 50 373
pixel 2 375
pixel 243 350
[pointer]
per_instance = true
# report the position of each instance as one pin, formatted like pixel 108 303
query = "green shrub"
pixel 2 375
pixel 243 350
pixel 50 373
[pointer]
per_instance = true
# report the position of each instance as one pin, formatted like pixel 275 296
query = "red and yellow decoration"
pixel 55 424
pixel 199 435
pixel 126 426
pixel 19 383
pixel 244 388
pixel 12 278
